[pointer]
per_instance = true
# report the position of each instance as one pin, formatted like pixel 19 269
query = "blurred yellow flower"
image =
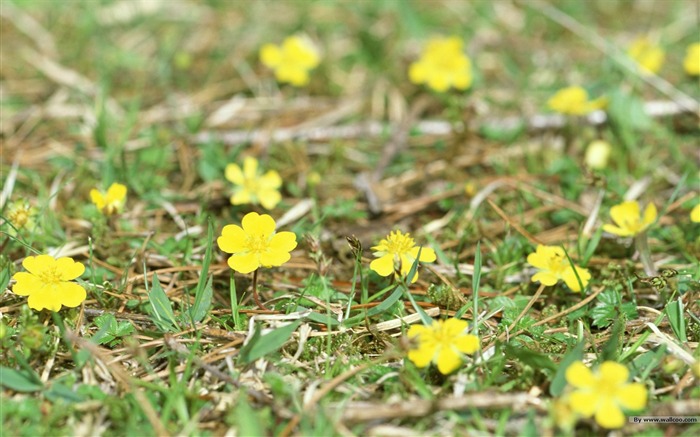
pixel 111 202
pixel 691 63
pixel 442 343
pixel 48 282
pixel 256 244
pixel 292 60
pixel 627 216
pixel 574 101
pixel 442 65
pixel 399 250
pixel 695 214
pixel 597 154
pixel 20 214
pixel 647 55
pixel 251 187
pixel 604 393
pixel 554 266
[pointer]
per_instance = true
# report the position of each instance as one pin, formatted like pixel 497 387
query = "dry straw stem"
pixel 368 411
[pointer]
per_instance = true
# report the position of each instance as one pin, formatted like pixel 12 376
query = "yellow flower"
pixel 648 56
pixel 20 214
pixel 628 219
pixel 251 187
pixel 112 202
pixel 291 61
pixel 574 101
pixel 695 214
pixel 602 394
pixel 597 154
pixel 47 282
pixel 691 63
pixel 442 343
pixel 442 65
pixel 399 249
pixel 554 265
pixel 256 244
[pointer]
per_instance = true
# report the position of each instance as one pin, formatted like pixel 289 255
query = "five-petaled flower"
pixel 256 244
pixel 554 266
pixel 627 216
pixel 251 186
pixel 291 61
pixel 399 249
pixel 20 214
pixel 603 394
pixel 48 282
pixel 574 100
pixel 112 201
pixel 442 65
pixel 648 56
pixel 442 343
pixel 691 63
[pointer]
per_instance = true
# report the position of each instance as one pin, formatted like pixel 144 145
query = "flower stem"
pixel 644 254
pixel 256 298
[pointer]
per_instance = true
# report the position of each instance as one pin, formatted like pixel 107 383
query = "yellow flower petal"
pixel 269 198
pixel 271 179
pixel 232 239
pixel 26 283
pixel 234 174
pixel 39 264
pixel 69 269
pixel 250 167
pixel 620 232
pixel 448 360
pixel 274 258
pixel 283 241
pixel 241 197
pixel 97 198
pixel 608 415
pixel 583 403
pixel 625 212
pixel 256 224
pixel 467 344
pixel 384 266
pixel 422 356
pixel 244 263
pixel 70 294
pixel 454 327
pixel 695 214
pixel 116 193
pixel 570 280
pixel 612 373
pixel 632 396
pixel 270 55
pixel 545 278
pixel 417 330
pixel 44 298
pixel 650 214
pixel 579 376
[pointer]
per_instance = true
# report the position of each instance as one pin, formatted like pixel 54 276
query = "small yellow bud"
pixel 597 154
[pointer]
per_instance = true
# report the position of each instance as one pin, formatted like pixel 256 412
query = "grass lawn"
pixel 371 218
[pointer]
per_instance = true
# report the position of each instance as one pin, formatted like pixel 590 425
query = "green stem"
pixel 642 245
pixel 256 298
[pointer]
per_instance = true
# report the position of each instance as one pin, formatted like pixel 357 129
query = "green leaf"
pixel 19 381
pixel 559 381
pixel 674 311
pixel 610 350
pixel 531 358
pixel 248 420
pixel 161 310
pixel 321 318
pixel 4 278
pixel 202 299
pixel 425 318
pixel 260 345
pixel 105 324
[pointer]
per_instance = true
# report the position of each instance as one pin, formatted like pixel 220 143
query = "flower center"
pixel 19 218
pixel 398 243
pixel 50 276
pixel 558 263
pixel 258 243
pixel 251 185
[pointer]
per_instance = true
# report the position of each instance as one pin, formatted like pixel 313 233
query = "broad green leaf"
pixel 674 311
pixel 261 345
pixel 248 420
pixel 559 381
pixel 161 310
pixel 19 381
pixel 4 278
pixel 610 351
